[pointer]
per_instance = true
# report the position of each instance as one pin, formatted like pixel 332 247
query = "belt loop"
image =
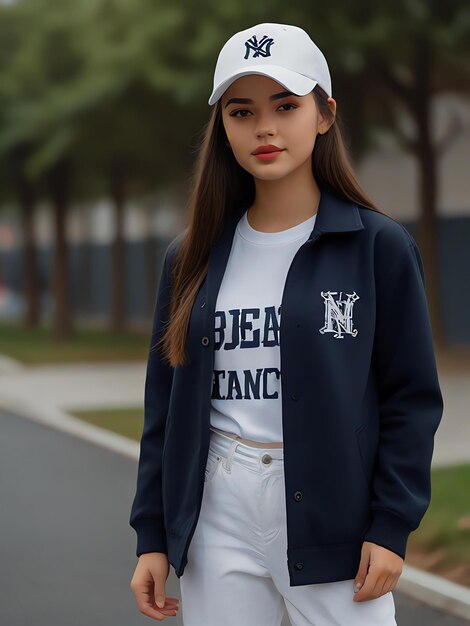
pixel 228 462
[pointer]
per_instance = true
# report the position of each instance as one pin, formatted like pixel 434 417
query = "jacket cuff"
pixel 390 531
pixel 151 535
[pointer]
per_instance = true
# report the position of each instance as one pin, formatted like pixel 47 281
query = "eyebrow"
pixel 276 96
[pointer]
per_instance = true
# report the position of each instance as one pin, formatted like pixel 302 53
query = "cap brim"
pixel 292 81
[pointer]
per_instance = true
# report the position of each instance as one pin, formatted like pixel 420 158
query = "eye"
pixel 234 114
pixel 288 104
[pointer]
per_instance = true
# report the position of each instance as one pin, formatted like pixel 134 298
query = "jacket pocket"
pixel 212 464
pixel 361 439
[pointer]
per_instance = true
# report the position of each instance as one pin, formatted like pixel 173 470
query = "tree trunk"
pixel 151 275
pixel 86 263
pixel 427 236
pixel 30 282
pixel 117 321
pixel 59 188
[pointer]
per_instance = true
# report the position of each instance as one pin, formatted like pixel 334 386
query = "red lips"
pixel 267 148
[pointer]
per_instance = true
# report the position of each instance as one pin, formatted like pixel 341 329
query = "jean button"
pixel 266 459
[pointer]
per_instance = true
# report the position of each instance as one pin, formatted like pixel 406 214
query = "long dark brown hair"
pixel 218 185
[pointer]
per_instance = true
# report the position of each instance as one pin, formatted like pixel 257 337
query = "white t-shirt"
pixel 246 391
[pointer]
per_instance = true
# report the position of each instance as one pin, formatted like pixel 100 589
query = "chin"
pixel 272 177
pixel 265 171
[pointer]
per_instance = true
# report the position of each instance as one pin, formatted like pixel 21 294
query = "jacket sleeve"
pixel 147 517
pixel 410 399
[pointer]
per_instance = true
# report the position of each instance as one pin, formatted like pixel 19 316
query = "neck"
pixel 284 203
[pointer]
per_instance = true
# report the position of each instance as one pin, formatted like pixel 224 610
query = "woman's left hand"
pixel 378 573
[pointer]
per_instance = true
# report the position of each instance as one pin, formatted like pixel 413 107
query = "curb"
pixel 60 420
pixel 433 590
pixel 7 364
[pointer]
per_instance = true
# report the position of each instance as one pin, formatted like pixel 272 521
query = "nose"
pixel 264 129
pixel 262 133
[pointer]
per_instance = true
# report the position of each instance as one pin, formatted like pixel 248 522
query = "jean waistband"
pixel 250 456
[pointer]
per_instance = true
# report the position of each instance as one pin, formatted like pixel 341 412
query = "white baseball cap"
pixel 283 52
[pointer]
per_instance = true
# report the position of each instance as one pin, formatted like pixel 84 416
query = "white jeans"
pixel 236 574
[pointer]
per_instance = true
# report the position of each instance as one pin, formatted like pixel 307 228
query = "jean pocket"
pixel 212 464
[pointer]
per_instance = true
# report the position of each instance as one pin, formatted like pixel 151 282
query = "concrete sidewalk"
pixel 46 393
pixel 69 386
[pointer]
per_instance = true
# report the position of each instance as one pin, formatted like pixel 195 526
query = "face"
pixel 289 122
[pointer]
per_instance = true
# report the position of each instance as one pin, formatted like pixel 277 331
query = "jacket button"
pixel 299 565
pixel 298 496
pixel 205 341
pixel 295 396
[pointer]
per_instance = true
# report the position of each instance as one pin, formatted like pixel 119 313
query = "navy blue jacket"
pixel 361 400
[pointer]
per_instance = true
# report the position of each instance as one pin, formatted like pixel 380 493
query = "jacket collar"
pixel 334 215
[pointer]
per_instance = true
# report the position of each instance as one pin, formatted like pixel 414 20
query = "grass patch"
pixel 127 422
pixel 35 346
pixel 447 520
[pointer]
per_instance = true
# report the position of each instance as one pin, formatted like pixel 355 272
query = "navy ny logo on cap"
pixel 260 49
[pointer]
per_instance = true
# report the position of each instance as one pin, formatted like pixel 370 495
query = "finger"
pixel 386 584
pixel 168 606
pixel 146 601
pixel 381 579
pixel 149 608
pixel 159 591
pixel 367 586
pixel 158 614
pixel 155 612
pixel 390 583
pixel 364 591
pixel 171 600
pixel 372 585
pixel 362 571
pixel 166 610
pixel 363 565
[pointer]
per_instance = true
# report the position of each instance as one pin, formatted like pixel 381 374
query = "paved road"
pixel 67 551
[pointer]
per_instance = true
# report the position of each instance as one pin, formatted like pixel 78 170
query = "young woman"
pixel 272 493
